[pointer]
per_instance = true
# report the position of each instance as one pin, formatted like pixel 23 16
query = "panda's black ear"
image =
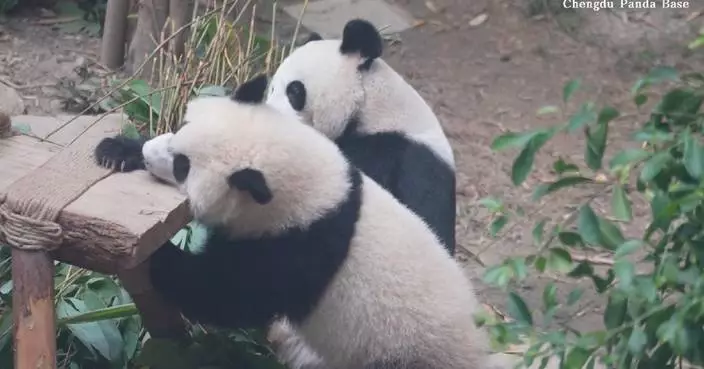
pixel 252 181
pixel 252 91
pixel 360 36
pixel 314 36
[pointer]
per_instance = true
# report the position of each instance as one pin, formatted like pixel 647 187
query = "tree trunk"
pixel 151 18
pixel 112 52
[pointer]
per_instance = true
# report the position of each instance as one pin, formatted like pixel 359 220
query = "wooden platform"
pixel 120 220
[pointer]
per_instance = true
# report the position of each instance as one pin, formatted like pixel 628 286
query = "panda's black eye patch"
pixel 296 93
pixel 181 167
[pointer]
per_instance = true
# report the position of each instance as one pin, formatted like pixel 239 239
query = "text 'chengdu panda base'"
pixel 626 4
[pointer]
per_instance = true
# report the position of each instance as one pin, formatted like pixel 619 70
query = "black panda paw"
pixel 121 153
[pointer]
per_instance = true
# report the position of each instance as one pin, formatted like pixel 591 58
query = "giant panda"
pixel 346 91
pixel 295 230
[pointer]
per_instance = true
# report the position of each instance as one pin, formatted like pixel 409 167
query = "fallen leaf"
pixel 478 20
pixel 431 6
pixel 693 15
pixel 418 23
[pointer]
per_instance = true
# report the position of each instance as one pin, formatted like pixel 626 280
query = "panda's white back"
pixel 397 292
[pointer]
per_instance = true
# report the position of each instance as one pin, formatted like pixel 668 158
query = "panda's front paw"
pixel 120 153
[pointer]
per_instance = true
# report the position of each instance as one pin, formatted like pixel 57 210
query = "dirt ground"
pixel 482 80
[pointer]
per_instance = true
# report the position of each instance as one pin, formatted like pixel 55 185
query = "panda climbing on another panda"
pixel 346 91
pixel 295 230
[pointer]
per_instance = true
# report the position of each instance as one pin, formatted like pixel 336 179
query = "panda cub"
pixel 346 91
pixel 296 231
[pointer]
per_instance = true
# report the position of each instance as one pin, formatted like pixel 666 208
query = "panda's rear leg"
pixel 290 348
pixel 121 153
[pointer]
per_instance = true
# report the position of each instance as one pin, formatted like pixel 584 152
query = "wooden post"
pixel 160 319
pixel 112 51
pixel 33 310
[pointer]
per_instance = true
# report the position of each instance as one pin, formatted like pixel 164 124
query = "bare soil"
pixel 482 80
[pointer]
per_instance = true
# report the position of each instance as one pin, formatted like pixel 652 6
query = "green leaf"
pixel 625 272
pixel 540 263
pixel 538 231
pixel 611 235
pixel 621 205
pixel 615 312
pixel 576 358
pixel 130 131
pixel 607 114
pixel 570 238
pixel 498 275
pixel 585 115
pixel 662 74
pixel 549 109
pixel 518 309
pixel 523 164
pixel 596 142
pixel 588 225
pixel 698 42
pixel 561 167
pixel 680 105
pixel 549 296
pixel 511 140
pixel 493 204
pixel 574 296
pixel 22 128
pixel 90 334
pixel 113 312
pixel 518 264
pixel 569 89
pixel 693 156
pixel 640 99
pixel 498 224
pixel 637 341
pixel 212 90
pixel 627 248
pixel 654 166
pixel 559 260
pixel 559 184
pixel 583 269
pixel 628 156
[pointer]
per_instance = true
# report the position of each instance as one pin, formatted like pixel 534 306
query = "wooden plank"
pixel 132 214
pixel 21 155
pixel 111 222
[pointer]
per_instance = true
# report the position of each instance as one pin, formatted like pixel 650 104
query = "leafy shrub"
pixel 654 314
pixel 219 56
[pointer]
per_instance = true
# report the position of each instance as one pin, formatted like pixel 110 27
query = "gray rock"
pixel 10 101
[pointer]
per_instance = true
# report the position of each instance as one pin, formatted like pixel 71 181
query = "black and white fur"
pixel 296 231
pixel 346 91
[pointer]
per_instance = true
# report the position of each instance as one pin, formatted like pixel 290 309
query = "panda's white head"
pixel 330 83
pixel 251 169
pixel 322 80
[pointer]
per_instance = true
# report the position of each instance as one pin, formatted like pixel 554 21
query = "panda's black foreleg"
pixel 121 153
pixel 210 287
pixel 184 280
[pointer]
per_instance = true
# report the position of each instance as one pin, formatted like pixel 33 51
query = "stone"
pixel 10 101
pixel 328 17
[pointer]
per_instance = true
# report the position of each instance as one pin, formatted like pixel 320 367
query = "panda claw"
pixel 120 153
